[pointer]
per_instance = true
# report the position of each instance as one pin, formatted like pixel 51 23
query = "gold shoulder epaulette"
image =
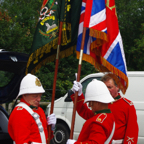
pixel 19 108
pixel 101 117
pixel 128 101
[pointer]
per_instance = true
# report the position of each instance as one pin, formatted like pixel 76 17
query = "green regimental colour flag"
pixel 45 41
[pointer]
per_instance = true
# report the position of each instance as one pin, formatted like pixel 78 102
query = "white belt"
pixel 37 120
pixel 120 141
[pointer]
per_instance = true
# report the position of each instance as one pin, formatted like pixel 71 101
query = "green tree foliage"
pixel 17 24
pixel 138 50
pixel 130 15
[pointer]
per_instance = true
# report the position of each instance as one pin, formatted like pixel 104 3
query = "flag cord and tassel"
pixel 55 77
pixel 78 79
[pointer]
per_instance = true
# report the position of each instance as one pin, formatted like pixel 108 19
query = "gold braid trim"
pixel 105 66
pixel 80 100
pixel 66 30
pixel 64 34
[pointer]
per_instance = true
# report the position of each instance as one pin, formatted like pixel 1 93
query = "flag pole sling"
pixel 55 77
pixel 78 79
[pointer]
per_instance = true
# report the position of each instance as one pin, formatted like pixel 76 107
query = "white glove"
pixel 51 119
pixel 77 87
pixel 70 141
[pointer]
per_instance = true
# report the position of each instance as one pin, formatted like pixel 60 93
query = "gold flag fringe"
pixel 105 66
pixel 100 36
pixel 35 56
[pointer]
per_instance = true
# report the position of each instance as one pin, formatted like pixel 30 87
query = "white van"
pixel 63 108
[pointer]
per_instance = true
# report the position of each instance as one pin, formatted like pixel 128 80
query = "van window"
pixel 87 81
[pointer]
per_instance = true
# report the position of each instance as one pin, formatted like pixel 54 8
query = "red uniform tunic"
pixel 126 120
pixel 97 128
pixel 23 128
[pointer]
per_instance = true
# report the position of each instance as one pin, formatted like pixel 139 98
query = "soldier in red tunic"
pixel 27 122
pixel 125 115
pixel 99 126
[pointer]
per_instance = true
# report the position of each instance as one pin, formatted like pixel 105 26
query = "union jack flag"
pixel 103 45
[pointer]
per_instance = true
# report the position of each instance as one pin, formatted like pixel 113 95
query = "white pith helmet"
pixel 30 84
pixel 97 91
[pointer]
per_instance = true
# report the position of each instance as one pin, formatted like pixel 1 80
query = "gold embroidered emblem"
pixel 99 119
pixel 19 108
pixel 37 82
pixel 111 7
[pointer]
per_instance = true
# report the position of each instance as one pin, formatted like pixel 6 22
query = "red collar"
pixel 22 100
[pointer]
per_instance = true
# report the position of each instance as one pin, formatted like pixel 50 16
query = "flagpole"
pixel 55 77
pixel 78 79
